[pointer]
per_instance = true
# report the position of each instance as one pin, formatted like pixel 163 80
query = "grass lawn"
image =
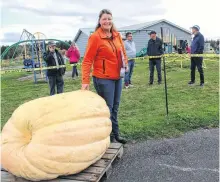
pixel 142 111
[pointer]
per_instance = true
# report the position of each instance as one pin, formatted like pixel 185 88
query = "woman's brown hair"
pixel 105 11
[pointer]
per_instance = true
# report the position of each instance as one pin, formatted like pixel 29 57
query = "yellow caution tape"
pixel 144 57
pixel 182 55
pixel 36 69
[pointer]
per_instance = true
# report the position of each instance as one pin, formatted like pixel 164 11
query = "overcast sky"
pixel 61 19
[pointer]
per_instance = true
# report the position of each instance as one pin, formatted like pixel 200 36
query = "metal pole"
pixel 32 56
pixel 165 79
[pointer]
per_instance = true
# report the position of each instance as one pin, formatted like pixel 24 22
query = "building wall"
pixel 141 38
pixel 82 43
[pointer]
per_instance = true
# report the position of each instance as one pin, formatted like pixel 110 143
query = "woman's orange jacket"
pixel 104 54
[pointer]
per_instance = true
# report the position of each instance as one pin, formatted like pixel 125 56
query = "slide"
pixel 142 53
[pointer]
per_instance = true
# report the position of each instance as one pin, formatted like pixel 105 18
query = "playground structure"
pixel 37 49
pixel 31 48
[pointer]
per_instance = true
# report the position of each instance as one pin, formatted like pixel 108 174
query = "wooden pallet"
pixel 97 171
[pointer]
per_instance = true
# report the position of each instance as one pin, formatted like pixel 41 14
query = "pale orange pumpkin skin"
pixel 56 135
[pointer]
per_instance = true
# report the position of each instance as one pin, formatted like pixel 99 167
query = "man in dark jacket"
pixel 154 49
pixel 55 75
pixel 197 47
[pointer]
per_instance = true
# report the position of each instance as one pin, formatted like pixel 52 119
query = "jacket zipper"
pixel 103 66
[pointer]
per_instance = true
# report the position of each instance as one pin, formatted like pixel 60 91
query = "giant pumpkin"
pixel 56 135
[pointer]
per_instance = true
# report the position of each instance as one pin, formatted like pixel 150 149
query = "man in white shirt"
pixel 131 54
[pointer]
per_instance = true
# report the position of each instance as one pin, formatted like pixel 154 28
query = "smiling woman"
pixel 105 21
pixel 104 52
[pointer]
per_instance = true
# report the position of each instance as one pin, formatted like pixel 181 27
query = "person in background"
pixel 197 47
pixel 104 52
pixel 184 44
pixel 154 48
pixel 53 58
pixel 180 50
pixel 63 53
pixel 166 49
pixel 131 54
pixel 74 55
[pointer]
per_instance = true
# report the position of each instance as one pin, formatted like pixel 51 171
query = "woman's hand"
pixel 85 87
